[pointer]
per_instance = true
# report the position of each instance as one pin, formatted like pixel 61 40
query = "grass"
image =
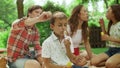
pixel 97 50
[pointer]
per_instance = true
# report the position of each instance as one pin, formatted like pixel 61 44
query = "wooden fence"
pixel 95 38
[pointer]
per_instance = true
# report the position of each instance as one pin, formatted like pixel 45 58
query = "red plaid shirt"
pixel 20 38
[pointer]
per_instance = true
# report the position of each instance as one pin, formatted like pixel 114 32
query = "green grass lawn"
pixel 97 50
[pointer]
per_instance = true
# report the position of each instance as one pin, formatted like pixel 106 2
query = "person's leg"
pixel 25 63
pixel 84 53
pixel 113 61
pixel 32 64
pixel 19 63
pixel 118 65
pixel 98 59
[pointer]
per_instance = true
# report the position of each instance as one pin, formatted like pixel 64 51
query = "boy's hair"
pixel 32 8
pixel 57 15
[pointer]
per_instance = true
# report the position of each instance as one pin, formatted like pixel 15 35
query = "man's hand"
pixel 40 60
pixel 45 16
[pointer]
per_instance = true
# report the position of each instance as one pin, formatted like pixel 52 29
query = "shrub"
pixel 3 38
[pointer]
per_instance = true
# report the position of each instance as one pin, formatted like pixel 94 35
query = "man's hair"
pixel 32 8
pixel 57 15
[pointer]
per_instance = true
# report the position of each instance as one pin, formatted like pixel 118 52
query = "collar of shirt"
pixel 54 36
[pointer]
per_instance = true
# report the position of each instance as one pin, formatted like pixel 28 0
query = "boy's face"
pixel 59 27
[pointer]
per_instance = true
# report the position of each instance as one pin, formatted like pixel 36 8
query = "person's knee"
pixel 32 64
pixel 94 62
pixel 110 64
pixel 118 66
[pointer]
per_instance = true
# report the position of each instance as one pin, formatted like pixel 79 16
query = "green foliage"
pixel 1 24
pixel 44 30
pixel 27 4
pixel 94 19
pixel 50 6
pixel 95 15
pixel 3 38
pixel 7 12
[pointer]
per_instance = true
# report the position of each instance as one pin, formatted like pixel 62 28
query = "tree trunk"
pixel 117 1
pixel 106 3
pixel 20 8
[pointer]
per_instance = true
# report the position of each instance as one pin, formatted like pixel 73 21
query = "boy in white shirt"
pixel 53 49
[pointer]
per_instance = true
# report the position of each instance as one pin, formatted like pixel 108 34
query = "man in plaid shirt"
pixel 24 33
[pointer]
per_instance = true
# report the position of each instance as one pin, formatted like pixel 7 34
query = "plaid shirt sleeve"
pixel 18 24
pixel 36 44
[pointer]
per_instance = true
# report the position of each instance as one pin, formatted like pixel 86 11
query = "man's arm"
pixel 43 17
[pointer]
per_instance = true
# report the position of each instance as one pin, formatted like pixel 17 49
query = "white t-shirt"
pixel 115 32
pixel 56 51
pixel 77 37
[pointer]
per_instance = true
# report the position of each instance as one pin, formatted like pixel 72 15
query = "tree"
pixel 7 12
pixel 20 9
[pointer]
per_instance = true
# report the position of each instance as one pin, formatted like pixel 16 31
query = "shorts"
pixel 20 63
pixel 113 50
pixel 75 66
